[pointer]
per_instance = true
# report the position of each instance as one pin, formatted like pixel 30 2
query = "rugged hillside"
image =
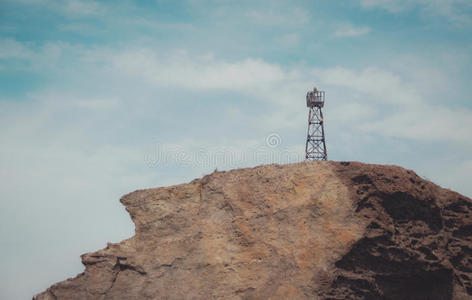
pixel 311 230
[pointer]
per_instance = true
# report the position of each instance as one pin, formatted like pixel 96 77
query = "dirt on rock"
pixel 310 230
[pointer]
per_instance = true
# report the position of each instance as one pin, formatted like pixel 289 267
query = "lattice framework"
pixel 315 142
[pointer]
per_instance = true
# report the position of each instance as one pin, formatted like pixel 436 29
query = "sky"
pixel 100 98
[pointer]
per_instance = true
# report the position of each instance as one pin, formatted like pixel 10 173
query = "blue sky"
pixel 98 99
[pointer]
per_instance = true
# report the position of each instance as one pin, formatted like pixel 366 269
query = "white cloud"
pixel 382 86
pixel 10 48
pixel 453 10
pixel 349 30
pixel 392 106
pixel 69 8
pixel 76 7
pixel 393 6
pixel 82 28
pixel 405 111
pixel 426 122
pixel 370 88
pixel 411 115
pixel 66 101
pixel 289 40
pixel 296 16
pixel 352 112
pixel 181 70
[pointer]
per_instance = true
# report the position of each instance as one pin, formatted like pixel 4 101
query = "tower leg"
pixel 315 143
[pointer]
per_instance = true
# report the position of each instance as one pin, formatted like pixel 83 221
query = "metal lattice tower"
pixel 315 141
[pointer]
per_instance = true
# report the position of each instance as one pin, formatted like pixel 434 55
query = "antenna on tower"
pixel 315 141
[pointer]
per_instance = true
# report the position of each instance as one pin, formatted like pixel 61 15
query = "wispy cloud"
pixel 401 110
pixel 456 11
pixel 182 70
pixel 393 6
pixel 10 48
pixel 349 30
pixel 69 8
pixel 254 77
pixel 76 7
pixel 294 16
pixel 382 86
pixel 288 40
pixel 426 122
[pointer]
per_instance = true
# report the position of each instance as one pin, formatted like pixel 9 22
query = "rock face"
pixel 311 230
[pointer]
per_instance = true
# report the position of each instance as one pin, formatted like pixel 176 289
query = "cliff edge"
pixel 310 230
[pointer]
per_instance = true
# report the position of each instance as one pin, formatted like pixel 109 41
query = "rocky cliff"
pixel 311 230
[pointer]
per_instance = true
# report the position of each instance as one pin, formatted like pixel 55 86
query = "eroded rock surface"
pixel 311 230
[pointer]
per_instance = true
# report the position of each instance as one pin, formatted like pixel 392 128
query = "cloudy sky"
pixel 100 98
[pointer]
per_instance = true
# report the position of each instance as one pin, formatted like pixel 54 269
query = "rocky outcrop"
pixel 311 230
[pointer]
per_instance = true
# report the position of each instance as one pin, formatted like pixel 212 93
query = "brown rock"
pixel 311 230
